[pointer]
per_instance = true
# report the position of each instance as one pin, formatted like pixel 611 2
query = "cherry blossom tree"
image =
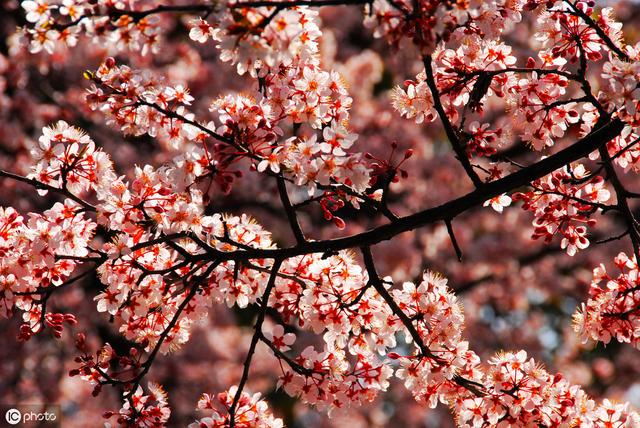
pixel 339 204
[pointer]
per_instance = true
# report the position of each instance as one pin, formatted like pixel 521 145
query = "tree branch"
pixel 290 210
pixel 456 144
pixel 294 3
pixel 374 279
pixel 454 241
pixel 254 340
pixel 448 210
pixel 38 185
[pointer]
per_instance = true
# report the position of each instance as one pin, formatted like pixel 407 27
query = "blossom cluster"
pixel 250 412
pixel 462 76
pixel 522 393
pixel 256 41
pixel 540 108
pixel 330 382
pixel 141 103
pixel 427 22
pixel 157 196
pixel 482 66
pixel 464 81
pixel 562 204
pixel 621 93
pixel 613 308
pixel 151 306
pixel 66 158
pixel 329 296
pixel 296 91
pixel 38 255
pixel 431 378
pixel 151 410
pixel 565 35
pixel 53 24
pixel 104 367
pixel 624 150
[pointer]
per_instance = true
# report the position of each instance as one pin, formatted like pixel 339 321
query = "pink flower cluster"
pixel 139 103
pixel 297 89
pixel 331 297
pixel 291 35
pixel 146 302
pixel 54 24
pixel 151 410
pixel 621 93
pixel 562 203
pixel 564 36
pixel 251 411
pixel 36 256
pixel 521 393
pixel 66 158
pixel 458 75
pixel 428 22
pixel 613 308
pixel 545 117
pixel 439 322
pixel 467 76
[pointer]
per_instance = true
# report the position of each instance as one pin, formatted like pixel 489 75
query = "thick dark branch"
pixel 452 135
pixel 451 209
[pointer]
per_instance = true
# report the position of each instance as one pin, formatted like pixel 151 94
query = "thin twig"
pixel 452 135
pixel 290 210
pixel 254 340
pixel 454 241
pixel 38 185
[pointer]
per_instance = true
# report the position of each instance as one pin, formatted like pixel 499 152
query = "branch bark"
pixel 456 144
pixel 254 340
pixel 448 210
pixel 290 210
